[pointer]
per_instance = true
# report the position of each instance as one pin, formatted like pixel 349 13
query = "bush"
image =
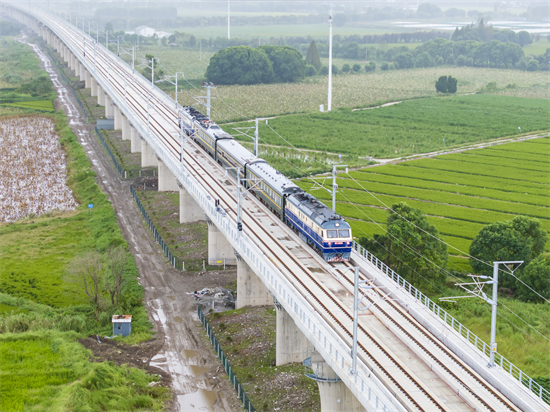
pixel 440 61
pixel 451 60
pixel 310 70
pixel 533 65
pixel 335 69
pixel 323 71
pixel 461 60
pixel 446 84
pixel 370 67
pixel 424 60
pixel 12 78
pixel 385 66
pixel 346 68
pixel 469 62
pixel 356 67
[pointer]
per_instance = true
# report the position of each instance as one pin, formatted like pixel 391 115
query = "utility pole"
pixel 334 185
pixel 256 139
pixel 107 39
pixel 330 63
pixel 208 86
pixel 118 46
pixel 97 33
pixel 478 292
pixel 228 19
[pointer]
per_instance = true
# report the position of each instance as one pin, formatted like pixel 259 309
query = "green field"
pixel 537 48
pixel 40 105
pixel 460 193
pixel 417 126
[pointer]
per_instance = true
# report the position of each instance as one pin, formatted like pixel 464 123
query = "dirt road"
pixel 191 363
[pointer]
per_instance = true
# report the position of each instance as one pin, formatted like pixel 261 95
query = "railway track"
pixel 274 241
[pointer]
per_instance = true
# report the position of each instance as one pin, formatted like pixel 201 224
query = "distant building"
pixel 161 34
pixel 145 31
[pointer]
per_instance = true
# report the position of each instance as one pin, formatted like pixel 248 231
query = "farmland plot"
pixel 32 169
pixel 362 90
pixel 411 127
pixel 459 193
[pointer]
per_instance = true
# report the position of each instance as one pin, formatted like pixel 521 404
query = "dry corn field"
pixel 32 169
pixel 362 90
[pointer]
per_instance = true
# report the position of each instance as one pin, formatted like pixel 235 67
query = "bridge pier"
pixel 335 395
pixel 135 141
pixel 87 79
pixel 219 248
pixel 100 95
pixel 291 343
pixel 118 117
pixel 148 157
pixel 125 128
pixel 94 87
pixel 82 72
pixel 190 211
pixel 250 289
pixel 109 107
pixel 167 182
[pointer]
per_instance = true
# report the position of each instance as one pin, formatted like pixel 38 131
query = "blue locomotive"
pixel 314 222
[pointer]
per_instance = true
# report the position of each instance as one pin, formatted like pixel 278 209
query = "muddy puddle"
pixel 202 400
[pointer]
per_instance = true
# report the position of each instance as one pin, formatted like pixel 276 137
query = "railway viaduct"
pixel 411 354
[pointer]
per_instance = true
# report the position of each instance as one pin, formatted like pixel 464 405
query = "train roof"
pixel 238 151
pixel 317 211
pixel 274 178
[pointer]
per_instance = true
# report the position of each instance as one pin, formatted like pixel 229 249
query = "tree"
pixel 287 62
pixel 460 60
pixel 524 38
pixel 335 69
pixel 405 60
pixel 537 275
pixel 454 13
pixel 446 84
pixel 533 65
pixel 310 70
pixel 147 70
pixel 429 10
pixel 424 60
pixel 312 56
pixel 356 67
pixel 385 66
pixel 522 238
pixel 86 271
pixel 346 68
pixel 370 67
pixel 240 65
pixel 109 27
pixel 115 280
pixel 410 246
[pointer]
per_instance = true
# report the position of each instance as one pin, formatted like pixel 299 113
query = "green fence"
pixel 120 170
pixel 176 262
pixel 247 405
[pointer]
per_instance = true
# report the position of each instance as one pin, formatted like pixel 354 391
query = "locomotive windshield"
pixel 344 233
pixel 332 234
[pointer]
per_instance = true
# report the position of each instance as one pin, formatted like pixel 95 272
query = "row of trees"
pixel 411 248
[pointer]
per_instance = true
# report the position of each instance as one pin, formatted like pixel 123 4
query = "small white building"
pixel 161 34
pixel 145 31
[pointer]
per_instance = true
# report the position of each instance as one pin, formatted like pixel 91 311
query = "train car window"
pixel 331 234
pixel 344 233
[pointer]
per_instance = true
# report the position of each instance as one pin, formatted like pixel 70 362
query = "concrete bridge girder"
pixel 109 107
pixel 125 128
pixel 118 117
pixel 291 343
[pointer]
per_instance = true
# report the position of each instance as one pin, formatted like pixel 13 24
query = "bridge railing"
pixel 477 342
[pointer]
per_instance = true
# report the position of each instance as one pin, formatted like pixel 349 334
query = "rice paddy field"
pixel 417 126
pixel 460 193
